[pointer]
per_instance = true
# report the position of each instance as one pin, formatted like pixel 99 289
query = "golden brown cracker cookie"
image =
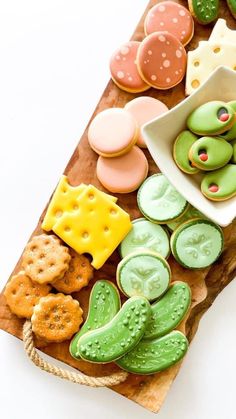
pixel 22 294
pixel 78 275
pixel 56 317
pixel 45 259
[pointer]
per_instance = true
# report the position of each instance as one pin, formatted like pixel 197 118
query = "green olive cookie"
pixel 233 160
pixel 181 148
pixel 209 153
pixel 220 184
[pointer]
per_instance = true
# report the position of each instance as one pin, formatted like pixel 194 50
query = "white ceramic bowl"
pixel 161 132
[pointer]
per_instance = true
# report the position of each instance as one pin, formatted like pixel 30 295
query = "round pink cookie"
pixel 123 174
pixel 161 60
pixel 124 70
pixel 112 132
pixel 171 17
pixel 144 109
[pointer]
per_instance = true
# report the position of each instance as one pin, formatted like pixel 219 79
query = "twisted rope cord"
pixel 74 377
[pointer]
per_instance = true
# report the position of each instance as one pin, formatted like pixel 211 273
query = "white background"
pixel 54 66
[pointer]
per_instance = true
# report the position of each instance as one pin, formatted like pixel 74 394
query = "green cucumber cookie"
pixel 151 356
pixel 104 304
pixel 209 153
pixel 204 11
pixel 169 311
pixel 143 273
pixel 181 148
pixel 159 201
pixel 211 118
pixel 220 185
pixel 146 235
pixel 232 7
pixel 119 336
pixel 188 215
pixel 197 243
pixel 231 134
pixel 233 160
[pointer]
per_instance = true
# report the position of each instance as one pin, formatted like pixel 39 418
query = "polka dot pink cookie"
pixel 124 70
pixel 171 17
pixel 123 174
pixel 112 132
pixel 161 60
pixel 144 109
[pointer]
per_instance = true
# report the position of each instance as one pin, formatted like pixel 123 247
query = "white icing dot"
pixel 176 72
pixel 161 68
pixel 145 62
pixel 153 77
pixel 180 70
pixel 166 63
pixel 124 50
pixel 124 59
pixel 168 43
pixel 183 32
pixel 175 20
pixel 161 8
pixel 163 54
pixel 130 78
pixel 182 13
pixel 118 57
pixel 161 23
pixel 120 74
pixel 178 53
pixel 149 52
pixel 168 80
pixel 162 38
pixel 180 48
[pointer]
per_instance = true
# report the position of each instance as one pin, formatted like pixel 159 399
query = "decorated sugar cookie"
pixel 146 235
pixel 145 273
pixel 161 60
pixel 211 118
pixel 188 215
pixel 144 109
pixel 232 7
pixel 123 174
pixel 231 134
pixel 159 201
pixel 123 68
pixel 197 243
pixel 220 185
pixel 152 356
pixel 170 17
pixel 181 148
pixel 221 32
pixel 204 11
pixel 112 132
pixel 209 153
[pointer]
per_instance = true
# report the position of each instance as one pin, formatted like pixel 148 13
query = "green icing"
pixel 224 178
pixel 233 160
pixel 182 145
pixel 143 273
pixel 104 304
pixel 204 119
pixel 232 6
pixel 119 336
pixel 169 311
pixel 205 10
pixel 188 215
pixel 159 201
pixel 151 356
pixel 197 243
pixel 219 152
pixel 146 234
pixel 231 134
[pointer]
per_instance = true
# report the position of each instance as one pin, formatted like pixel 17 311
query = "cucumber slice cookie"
pixel 191 213
pixel 146 235
pixel 159 201
pixel 197 243
pixel 143 273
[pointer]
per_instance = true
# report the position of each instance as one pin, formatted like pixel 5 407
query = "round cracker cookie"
pixel 22 294
pixel 161 60
pixel 123 68
pixel 56 317
pixel 78 275
pixel 171 17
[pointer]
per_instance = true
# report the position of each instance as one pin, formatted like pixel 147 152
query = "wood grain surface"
pixel 148 391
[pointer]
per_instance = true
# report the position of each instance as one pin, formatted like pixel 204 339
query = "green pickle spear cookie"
pixel 159 201
pixel 151 356
pixel 168 312
pixel 232 7
pixel 204 11
pixel 119 336
pixel 104 304
pixel 143 273
pixel 146 235
pixel 181 148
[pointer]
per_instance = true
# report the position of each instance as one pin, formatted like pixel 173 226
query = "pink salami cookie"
pixel 171 17
pixel 112 132
pixel 124 70
pixel 123 174
pixel 144 109
pixel 161 60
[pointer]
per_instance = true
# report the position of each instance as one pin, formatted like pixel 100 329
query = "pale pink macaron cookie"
pixel 171 17
pixel 124 70
pixel 123 174
pixel 161 60
pixel 112 132
pixel 144 109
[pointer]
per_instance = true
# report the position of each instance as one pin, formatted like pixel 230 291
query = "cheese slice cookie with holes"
pixel 97 227
pixel 221 33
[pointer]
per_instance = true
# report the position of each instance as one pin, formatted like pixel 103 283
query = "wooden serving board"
pixel 148 391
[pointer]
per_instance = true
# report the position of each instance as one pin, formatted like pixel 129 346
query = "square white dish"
pixel 161 132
